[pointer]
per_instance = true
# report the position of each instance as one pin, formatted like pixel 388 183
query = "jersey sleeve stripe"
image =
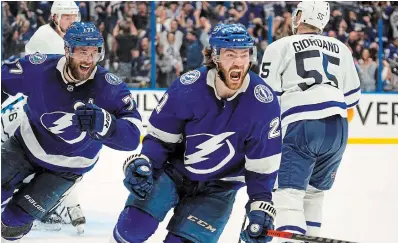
pixel 136 122
pixel 162 135
pixel 35 148
pixel 266 165
pixel 352 91
pixel 234 178
pixel 353 104
pixel 313 107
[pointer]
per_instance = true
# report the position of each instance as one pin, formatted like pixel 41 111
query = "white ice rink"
pixel 361 207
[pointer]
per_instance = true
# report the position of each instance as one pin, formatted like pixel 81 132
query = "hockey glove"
pixel 138 172
pixel 99 123
pixel 261 219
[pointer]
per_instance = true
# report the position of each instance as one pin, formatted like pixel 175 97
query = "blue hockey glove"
pixel 261 219
pixel 138 172
pixel 99 123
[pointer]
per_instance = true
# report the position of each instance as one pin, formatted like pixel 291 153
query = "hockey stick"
pixel 292 236
pixel 306 238
pixel 242 228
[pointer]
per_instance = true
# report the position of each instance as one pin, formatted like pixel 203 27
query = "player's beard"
pixel 233 85
pixel 77 71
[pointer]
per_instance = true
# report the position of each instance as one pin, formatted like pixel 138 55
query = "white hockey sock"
pixel 289 211
pixel 313 202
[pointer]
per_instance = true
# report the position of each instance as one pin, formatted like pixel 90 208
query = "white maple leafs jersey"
pixel 314 77
pixel 45 40
pixel 11 115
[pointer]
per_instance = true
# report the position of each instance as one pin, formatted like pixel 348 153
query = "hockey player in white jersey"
pixel 316 81
pixel 47 39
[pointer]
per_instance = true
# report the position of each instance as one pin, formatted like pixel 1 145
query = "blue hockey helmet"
pixel 233 36
pixel 84 34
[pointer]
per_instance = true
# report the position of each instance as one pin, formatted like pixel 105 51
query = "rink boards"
pixel 375 119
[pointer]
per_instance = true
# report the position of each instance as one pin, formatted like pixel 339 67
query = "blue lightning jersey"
pixel 46 132
pixel 209 138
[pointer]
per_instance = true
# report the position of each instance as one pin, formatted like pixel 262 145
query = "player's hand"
pixel 138 172
pixel 261 219
pixel 99 123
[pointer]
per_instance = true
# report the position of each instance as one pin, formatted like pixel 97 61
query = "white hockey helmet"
pixel 314 13
pixel 65 7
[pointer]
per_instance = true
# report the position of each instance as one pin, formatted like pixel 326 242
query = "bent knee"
pixel 134 226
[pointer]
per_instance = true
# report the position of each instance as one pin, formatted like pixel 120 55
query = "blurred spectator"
pixel 193 51
pixel 183 30
pixel 367 71
pixel 141 65
pixel 125 43
pixel 167 68
pixel 43 12
pixel 177 37
pixel 141 19
pixel 394 22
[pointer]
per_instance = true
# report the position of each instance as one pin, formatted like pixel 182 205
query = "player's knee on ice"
pixel 15 223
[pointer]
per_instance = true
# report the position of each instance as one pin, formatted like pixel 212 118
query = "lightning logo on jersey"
pixel 60 124
pixel 213 147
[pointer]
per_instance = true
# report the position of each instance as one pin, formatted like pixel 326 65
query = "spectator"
pixel 123 46
pixel 182 30
pixel 167 68
pixel 193 47
pixel 140 19
pixel 141 64
pixel 367 71
pixel 178 37
pixel 171 49
pixel 43 12
pixel 394 22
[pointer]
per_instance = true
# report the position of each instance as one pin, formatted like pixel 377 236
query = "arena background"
pixel 149 44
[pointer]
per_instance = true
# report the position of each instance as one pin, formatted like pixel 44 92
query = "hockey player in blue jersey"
pixel 74 107
pixel 215 129
pixel 316 81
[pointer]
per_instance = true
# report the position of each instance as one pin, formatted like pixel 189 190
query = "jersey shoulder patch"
pixel 190 77
pixel 113 79
pixel 263 93
pixel 37 58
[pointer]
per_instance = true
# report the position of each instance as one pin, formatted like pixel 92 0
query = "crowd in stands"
pixel 182 30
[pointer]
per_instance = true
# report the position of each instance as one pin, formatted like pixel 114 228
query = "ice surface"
pixel 362 206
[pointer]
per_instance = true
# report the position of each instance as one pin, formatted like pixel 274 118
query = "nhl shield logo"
pixel 190 77
pixel 37 58
pixel 113 79
pixel 263 93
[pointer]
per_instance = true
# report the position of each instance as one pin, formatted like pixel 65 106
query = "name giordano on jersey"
pixel 305 43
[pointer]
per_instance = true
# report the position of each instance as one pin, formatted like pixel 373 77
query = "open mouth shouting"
pixel 84 68
pixel 235 75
